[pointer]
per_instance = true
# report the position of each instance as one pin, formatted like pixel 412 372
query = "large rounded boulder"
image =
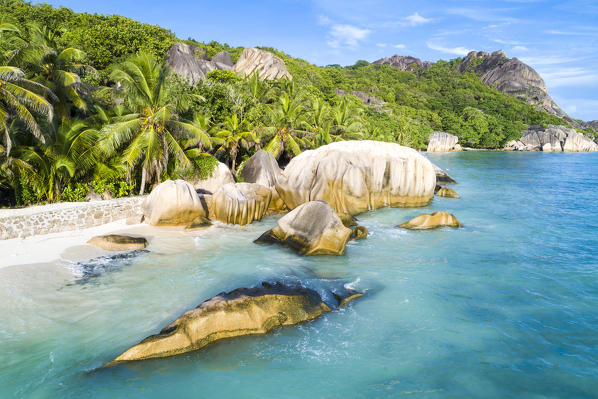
pixel 220 176
pixel 244 311
pixel 433 221
pixel 173 202
pixel 442 142
pixel 357 176
pixel 240 203
pixel 310 229
pixel 262 168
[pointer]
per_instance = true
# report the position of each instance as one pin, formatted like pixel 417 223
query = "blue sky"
pixel 558 38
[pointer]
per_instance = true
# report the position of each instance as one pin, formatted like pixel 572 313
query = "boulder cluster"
pixel 193 64
pixel 552 139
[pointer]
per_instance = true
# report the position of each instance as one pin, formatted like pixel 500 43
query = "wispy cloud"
pixel 400 46
pixel 482 14
pixel 415 19
pixel 571 76
pixel 381 45
pixel 346 36
pixel 520 48
pixel 448 50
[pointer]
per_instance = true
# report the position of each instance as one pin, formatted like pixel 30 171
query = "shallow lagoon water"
pixel 504 307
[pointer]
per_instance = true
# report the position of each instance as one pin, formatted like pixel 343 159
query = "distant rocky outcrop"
pixel 173 203
pixel 552 139
pixel 223 60
pixel 240 203
pixel 310 229
pixel 244 311
pixel 357 176
pixel 433 221
pixel 364 97
pixel 443 142
pixel 189 62
pixel 404 63
pixel 266 64
pixel 511 76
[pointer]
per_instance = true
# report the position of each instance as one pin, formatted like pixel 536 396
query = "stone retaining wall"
pixel 20 223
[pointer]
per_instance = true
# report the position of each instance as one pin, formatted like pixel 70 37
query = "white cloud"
pixel 324 20
pixel 347 36
pixel 520 48
pixel 448 50
pixel 399 46
pixel 416 19
pixel 382 45
pixel 570 76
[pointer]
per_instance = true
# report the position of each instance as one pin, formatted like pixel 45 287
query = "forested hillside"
pixel 87 103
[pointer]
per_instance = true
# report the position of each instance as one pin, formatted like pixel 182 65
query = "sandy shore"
pixel 71 246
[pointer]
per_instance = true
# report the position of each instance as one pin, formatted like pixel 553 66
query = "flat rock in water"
pixel 116 242
pixel 310 229
pixel 442 177
pixel 433 221
pixel 244 311
pixel 447 192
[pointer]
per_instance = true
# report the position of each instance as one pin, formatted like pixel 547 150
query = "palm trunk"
pixel 143 177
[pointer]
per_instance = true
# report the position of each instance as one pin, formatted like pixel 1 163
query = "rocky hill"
pixel 404 63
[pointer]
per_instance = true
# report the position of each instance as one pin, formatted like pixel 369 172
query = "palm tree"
pixel 286 117
pixel 232 137
pixel 20 99
pixel 147 135
pixel 318 122
pixel 346 121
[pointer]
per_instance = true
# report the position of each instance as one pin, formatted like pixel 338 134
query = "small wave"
pixel 84 271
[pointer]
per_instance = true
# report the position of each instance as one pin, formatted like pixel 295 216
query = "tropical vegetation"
pixel 87 106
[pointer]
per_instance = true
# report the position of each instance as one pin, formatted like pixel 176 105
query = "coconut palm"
pixel 346 121
pixel 318 122
pixel 20 99
pixel 232 137
pixel 286 117
pixel 149 134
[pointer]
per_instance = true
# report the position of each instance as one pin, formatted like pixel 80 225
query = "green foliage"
pixel 223 76
pixel 75 193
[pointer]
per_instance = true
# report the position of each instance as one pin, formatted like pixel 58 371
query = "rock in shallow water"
pixel 116 242
pixel 447 192
pixel 173 203
pixel 310 229
pixel 433 221
pixel 244 311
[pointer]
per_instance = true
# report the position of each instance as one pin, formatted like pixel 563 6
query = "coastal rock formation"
pixel 511 76
pixel 310 229
pixel 199 222
pixel 173 203
pixel 262 168
pixel 447 192
pixel 442 177
pixel 404 63
pixel 364 97
pixel 266 64
pixel 357 176
pixel 553 138
pixel 433 221
pixel 220 176
pixel 244 311
pixel 359 233
pixel 442 142
pixel 116 242
pixel 240 203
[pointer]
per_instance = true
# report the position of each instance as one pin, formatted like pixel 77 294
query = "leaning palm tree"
pixel 318 123
pixel 232 138
pixel 286 117
pixel 21 99
pixel 148 135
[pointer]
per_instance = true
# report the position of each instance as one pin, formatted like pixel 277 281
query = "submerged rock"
pixel 442 142
pixel 199 222
pixel 117 242
pixel 244 311
pixel 433 221
pixel 310 229
pixel 240 203
pixel 220 176
pixel 447 192
pixel 357 176
pixel 443 177
pixel 262 62
pixel 173 203
pixel 359 233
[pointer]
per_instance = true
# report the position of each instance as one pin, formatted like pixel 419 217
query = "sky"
pixel 557 38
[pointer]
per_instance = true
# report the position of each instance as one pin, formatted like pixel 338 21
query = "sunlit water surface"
pixel 505 307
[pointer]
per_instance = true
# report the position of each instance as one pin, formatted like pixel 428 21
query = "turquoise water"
pixel 505 307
